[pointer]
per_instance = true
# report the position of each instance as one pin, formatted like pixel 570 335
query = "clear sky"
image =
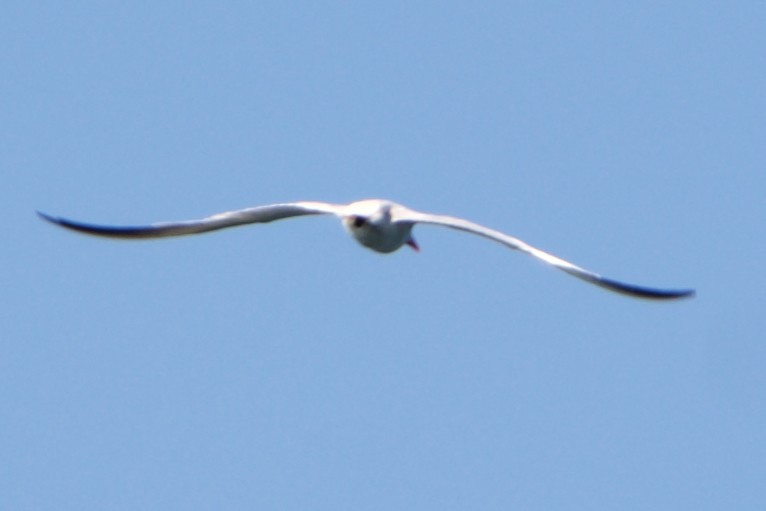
pixel 283 366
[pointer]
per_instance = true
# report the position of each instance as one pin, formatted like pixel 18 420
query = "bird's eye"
pixel 358 221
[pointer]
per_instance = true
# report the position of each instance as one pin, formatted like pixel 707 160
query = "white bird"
pixel 380 225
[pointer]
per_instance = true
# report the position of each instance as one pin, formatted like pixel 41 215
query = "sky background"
pixel 284 367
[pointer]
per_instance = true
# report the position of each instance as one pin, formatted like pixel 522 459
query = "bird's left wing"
pixel 259 214
pixel 407 215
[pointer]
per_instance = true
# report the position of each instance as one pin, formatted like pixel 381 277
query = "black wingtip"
pixel 674 294
pixel 95 230
pixel 62 222
pixel 647 292
pixel 52 219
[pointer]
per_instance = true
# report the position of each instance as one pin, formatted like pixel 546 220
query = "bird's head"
pixel 370 223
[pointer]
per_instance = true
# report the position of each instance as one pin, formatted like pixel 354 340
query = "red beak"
pixel 411 242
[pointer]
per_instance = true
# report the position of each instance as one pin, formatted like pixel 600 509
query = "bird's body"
pixel 380 225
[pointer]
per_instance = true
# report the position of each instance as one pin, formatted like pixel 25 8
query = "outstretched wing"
pixel 259 214
pixel 407 215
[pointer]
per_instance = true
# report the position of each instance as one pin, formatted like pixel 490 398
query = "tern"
pixel 380 225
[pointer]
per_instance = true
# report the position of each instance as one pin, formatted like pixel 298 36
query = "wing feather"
pixel 406 215
pixel 259 214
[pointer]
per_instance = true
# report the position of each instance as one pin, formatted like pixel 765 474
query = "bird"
pixel 380 225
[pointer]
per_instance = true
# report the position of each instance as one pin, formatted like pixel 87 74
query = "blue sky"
pixel 284 367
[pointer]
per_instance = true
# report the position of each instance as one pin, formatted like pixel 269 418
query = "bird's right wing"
pixel 259 214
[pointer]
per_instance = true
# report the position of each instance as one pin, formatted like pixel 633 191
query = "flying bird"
pixel 380 225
